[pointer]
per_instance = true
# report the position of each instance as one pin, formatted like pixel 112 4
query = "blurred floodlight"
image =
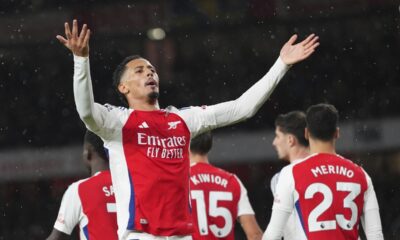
pixel 156 34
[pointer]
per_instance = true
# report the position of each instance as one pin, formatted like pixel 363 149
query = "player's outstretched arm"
pixel 247 105
pixel 292 53
pixel 78 44
pixel 92 114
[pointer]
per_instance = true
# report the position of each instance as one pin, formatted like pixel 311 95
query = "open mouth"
pixel 151 82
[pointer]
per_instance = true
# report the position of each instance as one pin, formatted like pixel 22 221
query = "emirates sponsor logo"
pixel 165 148
pixel 169 142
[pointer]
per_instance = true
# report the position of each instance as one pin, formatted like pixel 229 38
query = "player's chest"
pixel 141 126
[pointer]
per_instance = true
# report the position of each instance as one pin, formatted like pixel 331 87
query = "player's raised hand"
pixel 77 43
pixel 292 53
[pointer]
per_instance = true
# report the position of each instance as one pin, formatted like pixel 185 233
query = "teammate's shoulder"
pixel 211 169
pixel 76 183
pixel 73 187
pixel 290 166
pixel 349 162
pixel 224 172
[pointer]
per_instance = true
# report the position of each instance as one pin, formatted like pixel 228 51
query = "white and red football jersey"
pixel 329 194
pixel 218 198
pixel 149 150
pixel 91 204
pixel 289 232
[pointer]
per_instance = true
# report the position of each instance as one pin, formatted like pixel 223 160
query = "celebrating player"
pixel 218 197
pixel 89 202
pixel 149 147
pixel 330 193
pixel 291 146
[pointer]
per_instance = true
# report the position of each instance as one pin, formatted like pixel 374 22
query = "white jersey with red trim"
pixel 91 204
pixel 149 150
pixel 218 199
pixel 329 195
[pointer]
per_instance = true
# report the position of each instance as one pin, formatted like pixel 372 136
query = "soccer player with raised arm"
pixel 218 197
pixel 89 202
pixel 291 146
pixel 330 194
pixel 149 146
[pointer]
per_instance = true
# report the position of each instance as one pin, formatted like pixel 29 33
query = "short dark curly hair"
pixel 118 72
pixel 293 123
pixel 322 121
pixel 201 144
pixel 97 144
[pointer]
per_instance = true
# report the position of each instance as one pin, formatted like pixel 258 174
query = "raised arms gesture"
pixel 292 53
pixel 77 43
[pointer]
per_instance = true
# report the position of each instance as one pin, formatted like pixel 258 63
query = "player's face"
pixel 140 80
pixel 281 144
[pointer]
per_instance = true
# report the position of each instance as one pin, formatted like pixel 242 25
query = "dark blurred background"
pixel 206 51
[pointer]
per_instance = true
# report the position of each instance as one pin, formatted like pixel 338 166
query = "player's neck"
pixel 317 146
pixel 144 105
pixel 197 158
pixel 299 153
pixel 98 167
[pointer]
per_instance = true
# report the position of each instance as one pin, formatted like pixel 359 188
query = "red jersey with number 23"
pixel 328 196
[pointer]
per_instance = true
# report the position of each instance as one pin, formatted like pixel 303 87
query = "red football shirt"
pixel 327 191
pixel 218 198
pixel 91 204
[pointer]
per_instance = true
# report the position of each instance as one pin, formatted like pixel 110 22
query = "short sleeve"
pixel 70 212
pixel 244 206
pixel 370 201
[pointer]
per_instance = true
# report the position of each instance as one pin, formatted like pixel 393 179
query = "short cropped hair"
pixel 322 121
pixel 118 72
pixel 293 123
pixel 201 144
pixel 97 144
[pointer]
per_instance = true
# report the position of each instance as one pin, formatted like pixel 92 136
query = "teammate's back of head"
pixel 201 144
pixel 94 144
pixel 294 123
pixel 322 121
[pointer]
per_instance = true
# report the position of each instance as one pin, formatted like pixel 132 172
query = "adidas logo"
pixel 143 125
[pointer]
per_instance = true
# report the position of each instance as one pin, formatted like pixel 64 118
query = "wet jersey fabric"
pixel 91 204
pixel 218 198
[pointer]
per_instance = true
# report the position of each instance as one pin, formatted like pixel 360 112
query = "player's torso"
pixel 215 195
pixel 98 205
pixel 155 146
pixel 331 196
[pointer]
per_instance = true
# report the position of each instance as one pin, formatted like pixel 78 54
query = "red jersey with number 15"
pixel 218 198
